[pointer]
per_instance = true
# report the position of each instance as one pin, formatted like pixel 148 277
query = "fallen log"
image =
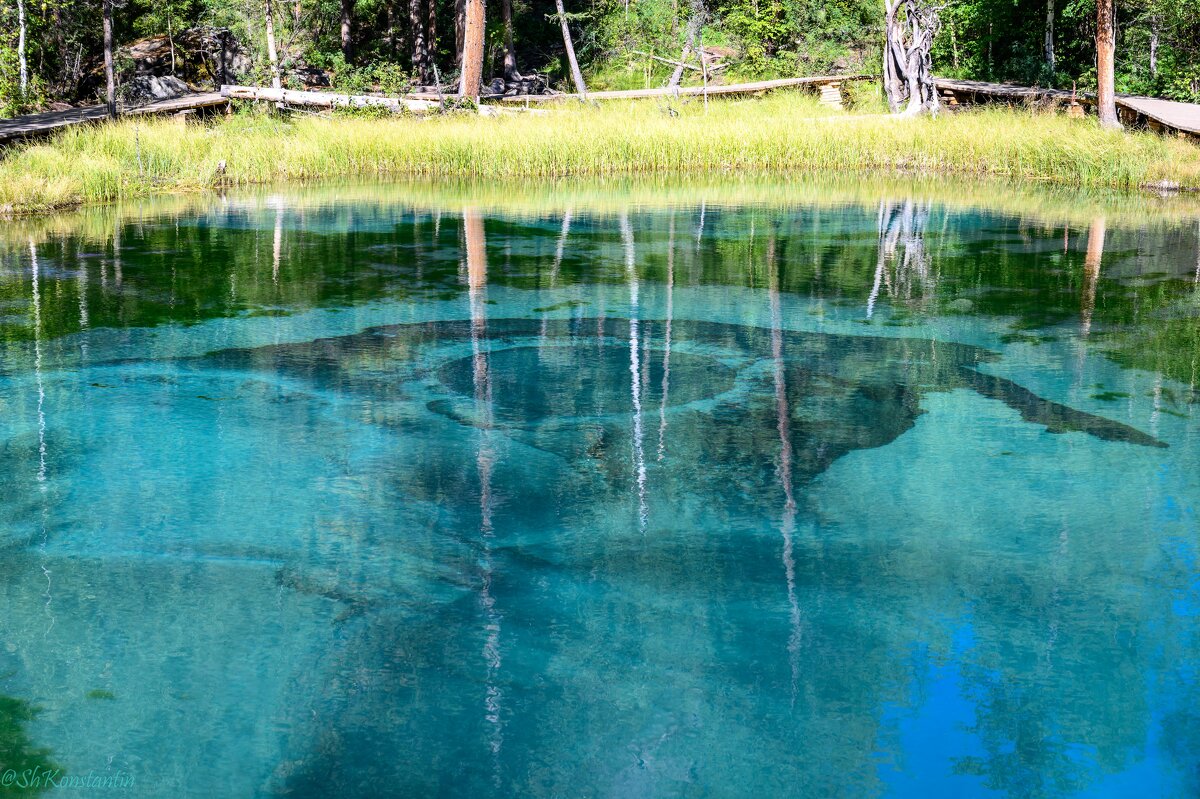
pixel 734 88
pixel 325 99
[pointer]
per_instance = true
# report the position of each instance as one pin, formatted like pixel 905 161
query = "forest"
pixel 52 51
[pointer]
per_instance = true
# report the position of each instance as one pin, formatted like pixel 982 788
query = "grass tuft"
pixel 782 134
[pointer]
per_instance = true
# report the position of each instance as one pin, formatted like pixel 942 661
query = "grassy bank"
pixel 786 133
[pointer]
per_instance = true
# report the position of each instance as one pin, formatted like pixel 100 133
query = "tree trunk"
pixel 431 32
pixel 272 53
pixel 1106 97
pixel 110 80
pixel 389 35
pixel 347 41
pixel 991 61
pixel 1048 43
pixel 420 50
pixel 460 30
pixel 907 64
pixel 1091 271
pixel 695 22
pixel 953 47
pixel 472 58
pixel 510 53
pixel 171 41
pixel 576 75
pixel 223 66
pixel 1155 23
pixel 22 64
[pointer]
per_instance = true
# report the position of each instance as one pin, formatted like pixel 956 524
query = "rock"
pixel 311 77
pixel 151 89
pixel 526 84
pixel 1162 186
pixel 202 55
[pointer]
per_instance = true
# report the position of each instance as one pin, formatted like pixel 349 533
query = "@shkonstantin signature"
pixel 36 779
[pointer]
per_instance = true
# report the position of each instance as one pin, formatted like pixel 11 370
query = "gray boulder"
pixel 145 89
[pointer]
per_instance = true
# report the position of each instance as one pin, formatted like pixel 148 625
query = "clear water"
pixel 377 493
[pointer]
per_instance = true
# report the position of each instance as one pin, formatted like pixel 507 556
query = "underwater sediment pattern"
pixel 399 500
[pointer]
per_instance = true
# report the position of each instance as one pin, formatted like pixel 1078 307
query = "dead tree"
pixel 1048 41
pixel 21 60
pixel 695 23
pixel 1155 32
pixel 907 65
pixel 576 74
pixel 272 52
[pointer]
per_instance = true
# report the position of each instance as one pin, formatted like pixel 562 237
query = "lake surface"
pixel 605 492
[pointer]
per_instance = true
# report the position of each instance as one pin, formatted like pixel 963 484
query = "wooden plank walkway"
pixel 1183 117
pixel 1162 115
pixel 1165 115
pixel 32 125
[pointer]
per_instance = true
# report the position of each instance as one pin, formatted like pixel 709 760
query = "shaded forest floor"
pixel 786 133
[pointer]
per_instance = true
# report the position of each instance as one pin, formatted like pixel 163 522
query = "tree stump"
pixel 907 64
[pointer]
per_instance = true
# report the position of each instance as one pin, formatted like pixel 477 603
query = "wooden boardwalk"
pixel 32 125
pixel 1161 115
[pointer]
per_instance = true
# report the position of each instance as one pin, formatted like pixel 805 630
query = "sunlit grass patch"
pixel 781 133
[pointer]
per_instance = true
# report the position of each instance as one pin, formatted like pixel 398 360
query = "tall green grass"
pixel 782 134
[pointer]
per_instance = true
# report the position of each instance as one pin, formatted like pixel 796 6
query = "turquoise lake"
pixel 387 491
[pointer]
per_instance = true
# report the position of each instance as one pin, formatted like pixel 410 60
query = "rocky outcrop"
pixel 200 56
